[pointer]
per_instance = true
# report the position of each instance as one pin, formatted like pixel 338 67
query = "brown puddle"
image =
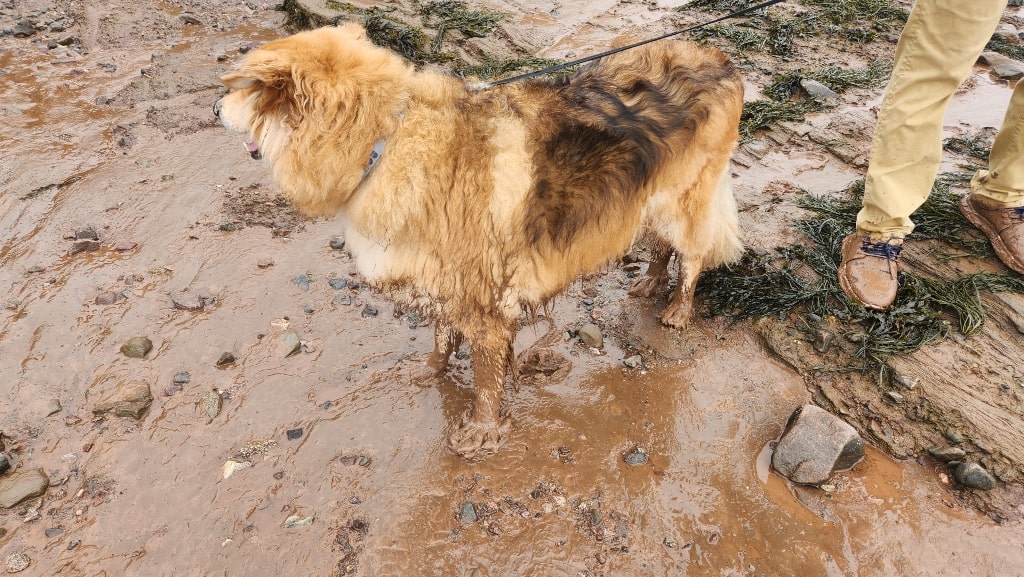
pixel 370 467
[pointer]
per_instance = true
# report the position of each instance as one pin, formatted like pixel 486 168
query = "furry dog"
pixel 476 204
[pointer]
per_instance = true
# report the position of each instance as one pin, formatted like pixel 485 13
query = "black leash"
pixel 558 67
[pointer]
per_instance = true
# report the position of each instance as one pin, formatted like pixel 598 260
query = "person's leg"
pixel 938 47
pixel 997 194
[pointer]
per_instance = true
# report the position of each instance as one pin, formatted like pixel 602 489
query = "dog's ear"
pixel 263 67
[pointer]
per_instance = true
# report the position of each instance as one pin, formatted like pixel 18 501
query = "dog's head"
pixel 318 98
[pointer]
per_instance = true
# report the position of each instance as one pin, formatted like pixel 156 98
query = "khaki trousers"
pixel 940 43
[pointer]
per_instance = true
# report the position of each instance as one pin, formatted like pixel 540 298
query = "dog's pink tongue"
pixel 253 149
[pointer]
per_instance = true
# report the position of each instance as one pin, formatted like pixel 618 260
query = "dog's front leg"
pixel 482 433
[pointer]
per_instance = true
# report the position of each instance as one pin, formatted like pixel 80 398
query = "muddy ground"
pixel 105 125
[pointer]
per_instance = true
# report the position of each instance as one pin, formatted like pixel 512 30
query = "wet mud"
pixel 341 463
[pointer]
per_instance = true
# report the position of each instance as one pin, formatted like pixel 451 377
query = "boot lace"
pixel 887 249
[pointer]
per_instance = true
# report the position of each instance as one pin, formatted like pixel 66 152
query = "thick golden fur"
pixel 487 201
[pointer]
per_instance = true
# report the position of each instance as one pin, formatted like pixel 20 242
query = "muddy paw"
pixel 677 315
pixel 477 440
pixel 649 286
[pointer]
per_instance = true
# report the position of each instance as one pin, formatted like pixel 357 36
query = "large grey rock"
pixel 21 485
pixel 590 334
pixel 974 476
pixel 816 444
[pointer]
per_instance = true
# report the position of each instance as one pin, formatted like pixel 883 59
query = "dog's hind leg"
pixel 447 340
pixel 655 280
pixel 483 430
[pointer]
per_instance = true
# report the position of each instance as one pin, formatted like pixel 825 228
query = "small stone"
pixel 36 269
pixel 370 311
pixel 74 544
pixel 633 361
pixel 670 543
pixel 814 445
pixel 355 500
pixel 22 485
pixel 294 521
pixel 337 283
pixel 125 246
pixel 948 454
pixel 231 467
pixel 907 381
pixel 131 400
pixel 974 476
pixel 23 29
pixel 953 437
pixel 181 378
pixel 188 301
pixel 53 407
pixel 110 297
pixel 290 344
pixel 137 347
pixel 85 246
pixel 364 461
pixel 212 403
pixel 467 514
pixel 590 335
pixel 53 532
pixel 189 19
pixel 265 263
pixel 894 396
pixel 17 562
pixel 636 457
pixel 302 281
pixel 1010 71
pixel 225 359
pixel 293 434
pixel 5 463
pixel 337 243
pixel 817 90
pixel 823 340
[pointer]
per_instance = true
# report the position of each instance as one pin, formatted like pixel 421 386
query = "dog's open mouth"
pixel 254 150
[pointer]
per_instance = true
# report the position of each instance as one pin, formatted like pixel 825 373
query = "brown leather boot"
pixel 1004 227
pixel 868 273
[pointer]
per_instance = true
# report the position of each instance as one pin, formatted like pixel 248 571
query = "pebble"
pixel 590 335
pixel 817 90
pixel 53 532
pixel 125 246
pixel 290 344
pixel 974 476
pixel 225 359
pixel 948 454
pixel 231 467
pixel 137 347
pixel 908 382
pixel 337 243
pixel 189 19
pixel 22 485
pixel 212 403
pixel 129 401
pixel 823 340
pixel 467 514
pixel 110 297
pixel 293 434
pixel 370 311
pixel 74 544
pixel 5 463
pixel 636 457
pixel 17 562
pixel 302 281
pixel 188 301
pixel 182 378
pixel 36 269
pixel 265 263
pixel 633 361
pixel 295 521
pixel 337 283
pixel 53 407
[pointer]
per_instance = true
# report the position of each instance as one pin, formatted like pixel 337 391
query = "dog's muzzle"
pixel 251 147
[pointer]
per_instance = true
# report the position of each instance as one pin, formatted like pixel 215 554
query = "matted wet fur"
pixel 483 202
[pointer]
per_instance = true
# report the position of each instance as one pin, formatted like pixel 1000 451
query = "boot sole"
pixel 993 235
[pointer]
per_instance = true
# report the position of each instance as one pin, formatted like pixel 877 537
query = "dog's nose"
pixel 216 108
